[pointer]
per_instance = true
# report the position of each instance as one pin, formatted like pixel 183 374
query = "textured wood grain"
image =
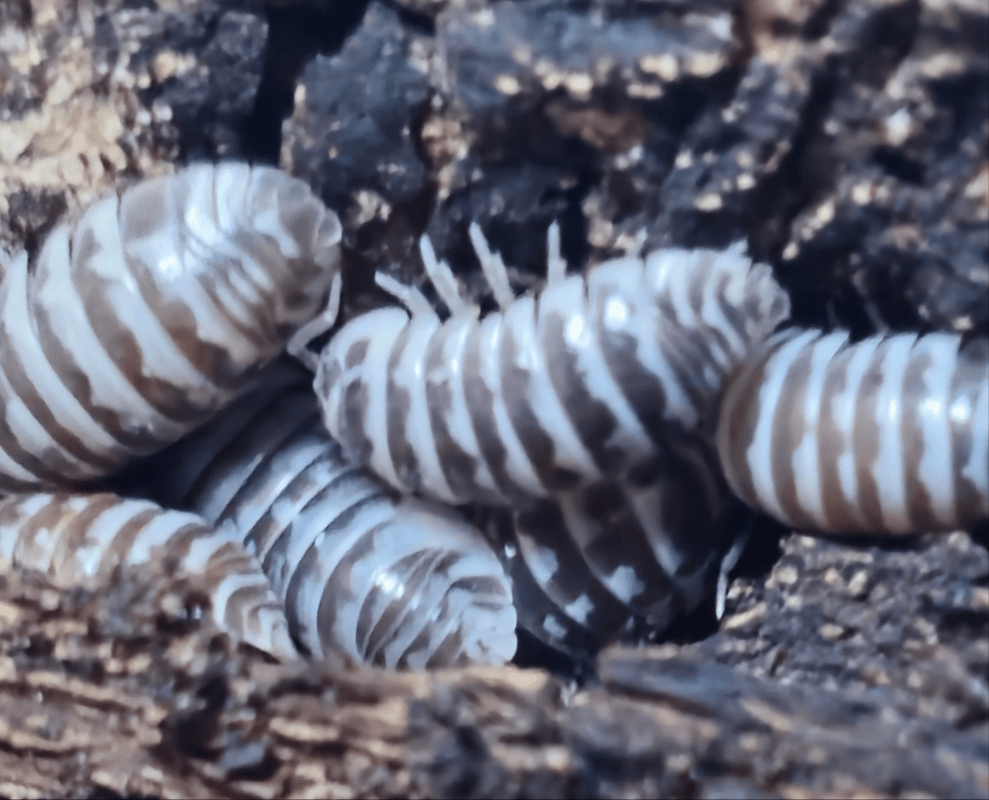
pixel 134 693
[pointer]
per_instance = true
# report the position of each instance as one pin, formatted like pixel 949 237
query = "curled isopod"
pixel 399 583
pixel 79 539
pixel 141 318
pixel 554 391
pixel 889 434
pixel 621 560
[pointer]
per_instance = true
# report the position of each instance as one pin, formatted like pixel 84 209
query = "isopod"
pixel 621 560
pixel 399 583
pixel 554 391
pixel 888 434
pixel 140 319
pixel 79 539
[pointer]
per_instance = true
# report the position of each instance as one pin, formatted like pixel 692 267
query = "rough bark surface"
pixel 94 94
pixel 847 141
pixel 133 692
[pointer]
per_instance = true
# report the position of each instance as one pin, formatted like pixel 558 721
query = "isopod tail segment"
pixel 396 582
pixel 575 384
pixel 889 434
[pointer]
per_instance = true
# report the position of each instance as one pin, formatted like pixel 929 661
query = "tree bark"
pixel 133 692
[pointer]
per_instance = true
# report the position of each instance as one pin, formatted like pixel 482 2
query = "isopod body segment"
pixel 80 539
pixel 142 317
pixel 555 391
pixel 888 434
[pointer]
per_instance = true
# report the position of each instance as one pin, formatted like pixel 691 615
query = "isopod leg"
pixel 408 296
pixel 556 267
pixel 298 345
pixel 440 274
pixel 493 267
pixel 728 564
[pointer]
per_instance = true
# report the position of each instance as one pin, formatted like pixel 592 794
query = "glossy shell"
pixel 555 391
pixel 81 539
pixel 620 560
pixel 396 583
pixel 152 310
pixel 889 434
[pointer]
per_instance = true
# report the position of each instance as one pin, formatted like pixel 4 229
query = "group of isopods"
pixel 590 435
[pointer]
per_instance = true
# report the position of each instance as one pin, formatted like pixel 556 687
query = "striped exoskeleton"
pixel 621 560
pixel 889 434
pixel 554 391
pixel 80 540
pixel 400 583
pixel 142 317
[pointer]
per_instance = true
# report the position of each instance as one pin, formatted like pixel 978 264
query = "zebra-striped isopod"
pixel 555 391
pixel 79 539
pixel 395 583
pixel 148 313
pixel 620 560
pixel 889 434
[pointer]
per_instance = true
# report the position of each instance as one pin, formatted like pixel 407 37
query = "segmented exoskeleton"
pixel 80 539
pixel 621 560
pixel 141 318
pixel 889 434
pixel 555 391
pixel 396 583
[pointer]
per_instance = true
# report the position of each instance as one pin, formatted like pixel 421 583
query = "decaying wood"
pixel 134 692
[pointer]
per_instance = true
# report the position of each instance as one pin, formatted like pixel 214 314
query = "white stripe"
pixel 380 329
pixel 543 401
pixel 759 454
pixel 567 299
pixel 888 470
pixel 410 374
pixel 192 458
pixel 843 411
pixel 100 534
pixel 451 375
pixel 255 438
pixel 161 530
pixel 933 417
pixel 517 464
pixel 805 461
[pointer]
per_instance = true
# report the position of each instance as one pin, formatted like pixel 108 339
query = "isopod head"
pixel 260 243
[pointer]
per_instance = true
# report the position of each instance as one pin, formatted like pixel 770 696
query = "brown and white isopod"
pixel 140 319
pixel 621 560
pixel 399 583
pixel 554 391
pixel 80 539
pixel 889 434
